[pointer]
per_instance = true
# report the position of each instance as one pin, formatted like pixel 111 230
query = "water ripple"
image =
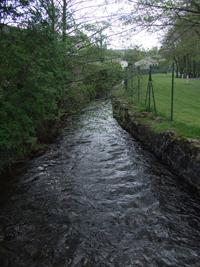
pixel 99 199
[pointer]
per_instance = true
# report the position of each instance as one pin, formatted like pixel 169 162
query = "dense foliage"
pixel 182 47
pixel 99 78
pixel 34 73
pixel 44 73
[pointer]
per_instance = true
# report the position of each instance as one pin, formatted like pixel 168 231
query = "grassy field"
pixel 186 115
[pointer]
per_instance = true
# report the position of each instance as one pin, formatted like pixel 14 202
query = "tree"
pixel 41 48
pixel 182 48
pixel 132 55
pixel 157 14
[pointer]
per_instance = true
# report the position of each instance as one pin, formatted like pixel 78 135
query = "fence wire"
pixel 135 80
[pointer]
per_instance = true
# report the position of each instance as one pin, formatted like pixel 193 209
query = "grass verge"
pixel 186 104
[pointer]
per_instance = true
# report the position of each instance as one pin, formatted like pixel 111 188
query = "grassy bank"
pixel 186 104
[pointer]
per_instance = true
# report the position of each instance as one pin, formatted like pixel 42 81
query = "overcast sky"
pixel 120 36
pixel 143 39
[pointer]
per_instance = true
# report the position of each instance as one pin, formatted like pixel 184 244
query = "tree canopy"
pixel 162 13
pixel 46 69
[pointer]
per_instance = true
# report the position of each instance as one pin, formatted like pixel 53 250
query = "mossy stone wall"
pixel 179 153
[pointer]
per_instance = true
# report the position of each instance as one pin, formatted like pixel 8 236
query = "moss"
pixel 43 146
pixel 38 149
pixel 183 138
pixel 193 144
pixel 167 140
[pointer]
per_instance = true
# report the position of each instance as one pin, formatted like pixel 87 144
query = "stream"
pixel 97 198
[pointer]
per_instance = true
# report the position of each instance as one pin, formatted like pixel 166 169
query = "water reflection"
pixel 99 199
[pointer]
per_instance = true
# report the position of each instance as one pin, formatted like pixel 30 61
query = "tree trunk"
pixel 181 68
pixel 53 16
pixel 194 69
pixel 64 20
pixel 176 62
pixel 184 67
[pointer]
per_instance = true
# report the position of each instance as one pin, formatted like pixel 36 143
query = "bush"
pixel 34 70
pixel 102 76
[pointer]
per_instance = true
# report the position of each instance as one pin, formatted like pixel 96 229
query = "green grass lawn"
pixel 186 110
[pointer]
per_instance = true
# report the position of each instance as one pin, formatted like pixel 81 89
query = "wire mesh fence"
pixel 175 99
pixel 136 80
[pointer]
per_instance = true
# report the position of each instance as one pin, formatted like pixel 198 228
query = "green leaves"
pixel 33 78
pixel 102 76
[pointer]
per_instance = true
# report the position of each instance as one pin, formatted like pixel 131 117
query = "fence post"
pixel 149 88
pixel 138 82
pixel 172 100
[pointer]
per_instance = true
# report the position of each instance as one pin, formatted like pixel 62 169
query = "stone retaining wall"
pixel 179 153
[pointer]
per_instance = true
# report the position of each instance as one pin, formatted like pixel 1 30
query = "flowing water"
pixel 97 198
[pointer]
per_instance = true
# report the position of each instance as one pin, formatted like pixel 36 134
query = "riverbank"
pixel 98 199
pixel 179 153
pixel 46 121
